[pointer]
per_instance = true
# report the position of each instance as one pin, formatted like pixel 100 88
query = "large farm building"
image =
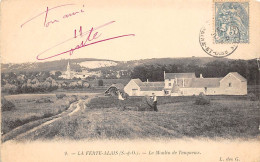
pixel 187 84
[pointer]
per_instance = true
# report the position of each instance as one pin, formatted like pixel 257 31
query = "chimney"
pixel 201 76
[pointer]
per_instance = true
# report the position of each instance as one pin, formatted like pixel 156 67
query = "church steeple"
pixel 68 66
pixel 68 72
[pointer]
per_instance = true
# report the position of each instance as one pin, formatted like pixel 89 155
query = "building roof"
pixel 138 81
pixel 196 83
pixel 205 82
pixel 152 86
pixel 238 76
pixel 179 75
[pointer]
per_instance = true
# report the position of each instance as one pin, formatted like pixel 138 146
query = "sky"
pixel 145 29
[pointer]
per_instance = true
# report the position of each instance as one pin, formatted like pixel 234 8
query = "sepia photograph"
pixel 130 80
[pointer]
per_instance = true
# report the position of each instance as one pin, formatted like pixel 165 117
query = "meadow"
pixel 31 107
pixel 224 118
pixel 108 82
pixel 137 101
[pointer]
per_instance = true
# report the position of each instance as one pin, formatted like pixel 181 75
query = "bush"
pixel 59 111
pixel 10 88
pixel 47 114
pixel 113 91
pixel 44 100
pixel 146 104
pixel 83 97
pixel 7 105
pixel 86 85
pixel 252 97
pixel 72 99
pixel 202 100
pixel 19 122
pixel 125 95
pixel 60 96
pixel 100 82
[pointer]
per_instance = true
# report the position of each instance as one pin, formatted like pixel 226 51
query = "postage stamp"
pixel 231 21
pixel 205 40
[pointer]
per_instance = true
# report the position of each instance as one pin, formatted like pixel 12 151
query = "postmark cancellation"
pixel 231 21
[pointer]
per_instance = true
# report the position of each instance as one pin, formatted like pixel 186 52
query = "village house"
pixel 136 87
pixel 187 84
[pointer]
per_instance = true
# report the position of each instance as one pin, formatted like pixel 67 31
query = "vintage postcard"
pixel 130 80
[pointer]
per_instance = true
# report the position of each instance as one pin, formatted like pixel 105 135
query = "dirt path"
pixel 14 134
pixel 80 105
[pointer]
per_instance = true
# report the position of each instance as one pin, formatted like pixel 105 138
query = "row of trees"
pixel 21 83
pixel 247 68
pixel 22 77
pixel 42 87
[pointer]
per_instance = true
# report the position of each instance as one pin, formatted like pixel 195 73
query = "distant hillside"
pixel 200 61
pixel 59 65
pixel 98 64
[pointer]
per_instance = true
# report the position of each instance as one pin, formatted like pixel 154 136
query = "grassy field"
pixel 94 88
pixel 108 82
pixel 81 90
pixel 230 118
pixel 108 102
pixel 255 89
pixel 31 107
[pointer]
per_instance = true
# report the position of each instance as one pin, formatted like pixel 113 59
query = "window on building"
pixel 229 84
pixel 205 88
pixel 170 84
pixel 166 92
pixel 134 92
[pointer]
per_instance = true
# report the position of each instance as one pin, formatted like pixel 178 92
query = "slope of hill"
pixel 82 63
pixel 59 65
pixel 97 64
pixel 200 61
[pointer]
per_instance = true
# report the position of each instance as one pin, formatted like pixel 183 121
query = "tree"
pixel 57 74
pixel 7 105
pixel 100 82
pixel 216 68
pixel 86 84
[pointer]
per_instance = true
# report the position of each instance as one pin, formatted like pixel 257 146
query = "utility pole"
pixel 257 61
pixel 258 64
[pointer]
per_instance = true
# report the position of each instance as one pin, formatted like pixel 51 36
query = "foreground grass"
pixel 222 119
pixel 31 108
pixel 109 102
